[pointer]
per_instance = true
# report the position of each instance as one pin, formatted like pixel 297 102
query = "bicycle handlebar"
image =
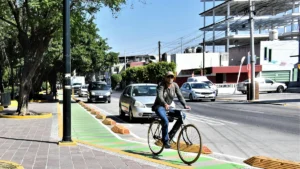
pixel 172 108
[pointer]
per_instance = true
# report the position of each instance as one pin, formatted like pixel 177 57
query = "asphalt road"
pixel 234 131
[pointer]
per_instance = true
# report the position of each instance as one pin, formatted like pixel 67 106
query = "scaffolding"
pixel 269 15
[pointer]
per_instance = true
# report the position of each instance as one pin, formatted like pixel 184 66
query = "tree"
pixel 115 80
pixel 36 22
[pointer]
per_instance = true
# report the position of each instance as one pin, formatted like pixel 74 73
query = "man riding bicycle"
pixel 166 91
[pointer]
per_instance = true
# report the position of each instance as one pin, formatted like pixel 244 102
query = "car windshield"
pixel 84 87
pixel 99 86
pixel 76 83
pixel 209 83
pixel 144 91
pixel 200 86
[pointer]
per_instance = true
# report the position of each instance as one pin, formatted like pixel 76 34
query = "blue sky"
pixel 139 29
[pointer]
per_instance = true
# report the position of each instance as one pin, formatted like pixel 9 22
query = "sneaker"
pixel 167 145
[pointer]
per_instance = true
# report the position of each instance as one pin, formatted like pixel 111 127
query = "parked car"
pixel 265 85
pixel 205 80
pixel 99 91
pixel 83 91
pixel 110 88
pixel 198 91
pixel 76 87
pixel 137 101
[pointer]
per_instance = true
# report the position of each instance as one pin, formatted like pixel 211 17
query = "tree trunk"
pixel 1 79
pixel 24 91
pixel 12 95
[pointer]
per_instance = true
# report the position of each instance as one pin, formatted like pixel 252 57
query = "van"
pixel 205 80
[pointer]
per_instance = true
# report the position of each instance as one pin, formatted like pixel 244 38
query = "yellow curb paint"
pixel 17 166
pixel 60 123
pixel 72 143
pixel 134 155
pixel 1 108
pixel 48 115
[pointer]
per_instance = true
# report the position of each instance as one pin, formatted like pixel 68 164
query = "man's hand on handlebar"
pixel 167 107
pixel 187 107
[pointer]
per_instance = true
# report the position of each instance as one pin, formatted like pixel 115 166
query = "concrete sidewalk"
pixel 33 144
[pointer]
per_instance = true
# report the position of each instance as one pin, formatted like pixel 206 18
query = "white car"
pixel 137 101
pixel 265 85
pixel 198 91
pixel 205 80
pixel 83 91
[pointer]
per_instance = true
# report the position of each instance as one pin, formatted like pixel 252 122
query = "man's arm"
pixel 160 92
pixel 179 95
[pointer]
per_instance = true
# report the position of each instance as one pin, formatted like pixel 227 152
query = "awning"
pixel 231 69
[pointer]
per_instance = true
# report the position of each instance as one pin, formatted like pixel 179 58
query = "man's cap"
pixel 169 73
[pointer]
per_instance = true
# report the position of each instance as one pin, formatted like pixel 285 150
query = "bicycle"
pixel 186 146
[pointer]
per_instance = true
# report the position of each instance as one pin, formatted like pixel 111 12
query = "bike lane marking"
pixel 136 148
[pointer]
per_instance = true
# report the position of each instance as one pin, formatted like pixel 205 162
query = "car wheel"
pixel 131 118
pixel 191 97
pixel 280 89
pixel 213 100
pixel 89 100
pixel 121 113
pixel 109 100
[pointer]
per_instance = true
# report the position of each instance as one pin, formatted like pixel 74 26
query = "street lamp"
pixel 242 61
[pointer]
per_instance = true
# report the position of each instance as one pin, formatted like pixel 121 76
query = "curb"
pixel 120 129
pixel 271 163
pixel 43 116
pixel 101 116
pixel 16 166
pixel 71 143
pixel 109 121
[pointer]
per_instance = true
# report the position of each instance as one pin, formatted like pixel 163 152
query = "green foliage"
pixel 153 73
pixel 115 79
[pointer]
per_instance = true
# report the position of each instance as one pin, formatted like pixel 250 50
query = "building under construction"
pixel 275 32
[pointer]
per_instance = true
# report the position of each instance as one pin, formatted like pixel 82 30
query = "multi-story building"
pixel 276 37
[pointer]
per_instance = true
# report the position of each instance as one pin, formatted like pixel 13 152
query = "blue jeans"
pixel 161 112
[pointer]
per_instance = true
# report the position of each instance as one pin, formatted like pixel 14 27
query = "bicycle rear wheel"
pixel 189 144
pixel 155 137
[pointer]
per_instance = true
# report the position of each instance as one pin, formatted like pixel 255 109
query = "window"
pixel 266 54
pixel 144 91
pixel 99 86
pixel 200 86
pixel 188 86
pixel 209 83
pixel 270 55
pixel 269 81
pixel 184 85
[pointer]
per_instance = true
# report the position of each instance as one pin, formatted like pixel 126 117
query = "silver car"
pixel 83 91
pixel 137 101
pixel 198 91
pixel 265 85
pixel 99 91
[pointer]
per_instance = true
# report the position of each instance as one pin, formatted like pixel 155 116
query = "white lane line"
pixel 252 111
pixel 249 111
pixel 206 122
pixel 213 119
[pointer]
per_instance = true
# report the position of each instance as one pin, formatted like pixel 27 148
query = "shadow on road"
pixel 125 120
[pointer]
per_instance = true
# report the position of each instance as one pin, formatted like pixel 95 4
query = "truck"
pixel 77 82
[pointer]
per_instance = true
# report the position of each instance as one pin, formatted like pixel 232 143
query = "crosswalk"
pixel 208 120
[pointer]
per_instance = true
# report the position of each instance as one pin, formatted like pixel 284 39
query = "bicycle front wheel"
pixel 189 144
pixel 155 137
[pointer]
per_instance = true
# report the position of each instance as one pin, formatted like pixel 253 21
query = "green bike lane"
pixel 88 130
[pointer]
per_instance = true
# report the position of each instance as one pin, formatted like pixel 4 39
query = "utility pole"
pixel 181 43
pixel 252 52
pixel 159 51
pixel 125 59
pixel 67 73
pixel 203 61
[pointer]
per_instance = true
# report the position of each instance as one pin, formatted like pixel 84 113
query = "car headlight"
pixel 93 93
pixel 107 94
pixel 139 104
pixel 197 92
